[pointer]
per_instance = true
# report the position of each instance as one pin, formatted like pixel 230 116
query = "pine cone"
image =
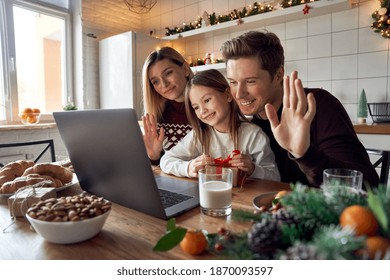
pixel 301 252
pixel 264 237
pixel 284 217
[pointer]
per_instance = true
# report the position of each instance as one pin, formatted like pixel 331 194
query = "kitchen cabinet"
pixel 374 136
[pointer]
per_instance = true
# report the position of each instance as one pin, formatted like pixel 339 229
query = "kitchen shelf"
pixel 218 66
pixel 288 14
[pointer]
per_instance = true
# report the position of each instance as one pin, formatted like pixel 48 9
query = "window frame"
pixel 9 55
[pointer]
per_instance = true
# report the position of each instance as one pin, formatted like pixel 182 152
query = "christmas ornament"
pixel 381 22
pixel 306 9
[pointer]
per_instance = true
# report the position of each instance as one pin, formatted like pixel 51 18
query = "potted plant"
pixel 70 106
pixel 362 107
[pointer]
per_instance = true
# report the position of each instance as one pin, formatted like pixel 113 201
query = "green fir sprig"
pixel 310 205
pixel 335 243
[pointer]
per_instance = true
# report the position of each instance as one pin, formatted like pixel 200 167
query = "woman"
pixel 164 77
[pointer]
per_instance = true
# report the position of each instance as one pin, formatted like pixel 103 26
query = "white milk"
pixel 215 194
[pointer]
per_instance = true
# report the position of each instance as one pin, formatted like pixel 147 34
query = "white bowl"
pixel 29 118
pixel 69 232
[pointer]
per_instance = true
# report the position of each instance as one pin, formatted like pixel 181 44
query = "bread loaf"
pixel 29 180
pixel 12 170
pixel 51 169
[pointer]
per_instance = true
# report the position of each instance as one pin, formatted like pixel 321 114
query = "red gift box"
pixel 238 175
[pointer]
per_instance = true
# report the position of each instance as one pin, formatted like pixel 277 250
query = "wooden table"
pixel 127 234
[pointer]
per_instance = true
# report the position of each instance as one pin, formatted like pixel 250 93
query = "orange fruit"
pixel 360 218
pixel 27 111
pixel 194 242
pixel 24 116
pixel 280 194
pixel 31 119
pixel 36 111
pixel 376 246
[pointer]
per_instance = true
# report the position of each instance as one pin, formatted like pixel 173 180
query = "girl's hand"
pixel 243 162
pixel 153 140
pixel 197 164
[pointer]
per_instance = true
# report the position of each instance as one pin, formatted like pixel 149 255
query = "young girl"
pixel 217 125
pixel 164 77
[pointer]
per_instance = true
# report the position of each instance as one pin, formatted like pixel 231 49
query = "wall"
pixel 338 51
pixel 100 19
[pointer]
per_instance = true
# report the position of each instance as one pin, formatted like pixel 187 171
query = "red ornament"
pixel 306 9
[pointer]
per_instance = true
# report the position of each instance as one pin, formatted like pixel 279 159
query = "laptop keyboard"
pixel 171 198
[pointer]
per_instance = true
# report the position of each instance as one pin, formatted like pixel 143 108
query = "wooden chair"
pixel 49 144
pixel 383 162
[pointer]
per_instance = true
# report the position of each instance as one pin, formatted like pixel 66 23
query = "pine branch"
pixel 309 205
pixel 241 215
pixel 334 242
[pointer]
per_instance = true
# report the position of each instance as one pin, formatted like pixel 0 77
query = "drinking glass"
pixel 341 177
pixel 215 191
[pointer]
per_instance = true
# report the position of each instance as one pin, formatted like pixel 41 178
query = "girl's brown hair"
pixel 212 79
pixel 153 102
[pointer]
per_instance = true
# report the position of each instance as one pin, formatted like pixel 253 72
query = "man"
pixel 309 129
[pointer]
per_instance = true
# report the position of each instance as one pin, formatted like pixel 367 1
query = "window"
pixel 37 61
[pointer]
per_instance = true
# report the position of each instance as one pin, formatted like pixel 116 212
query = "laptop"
pixel 108 155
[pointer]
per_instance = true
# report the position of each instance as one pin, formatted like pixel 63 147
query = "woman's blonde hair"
pixel 212 79
pixel 153 102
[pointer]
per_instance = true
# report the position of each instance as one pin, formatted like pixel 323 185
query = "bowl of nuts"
pixel 71 219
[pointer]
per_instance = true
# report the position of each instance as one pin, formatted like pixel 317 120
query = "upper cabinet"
pixel 278 16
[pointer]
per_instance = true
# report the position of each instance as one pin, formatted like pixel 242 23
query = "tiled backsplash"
pixel 338 51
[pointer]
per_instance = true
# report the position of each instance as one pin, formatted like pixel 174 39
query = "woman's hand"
pixel 243 162
pixel 293 131
pixel 197 164
pixel 153 140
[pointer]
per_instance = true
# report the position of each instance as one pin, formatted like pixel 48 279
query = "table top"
pixel 372 128
pixel 127 234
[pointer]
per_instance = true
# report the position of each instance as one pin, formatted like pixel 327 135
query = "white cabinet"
pixel 375 141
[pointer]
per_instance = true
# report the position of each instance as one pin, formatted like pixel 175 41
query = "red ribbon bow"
pixel 225 162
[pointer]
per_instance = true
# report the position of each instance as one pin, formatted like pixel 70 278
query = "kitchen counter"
pixel 374 128
pixel 11 127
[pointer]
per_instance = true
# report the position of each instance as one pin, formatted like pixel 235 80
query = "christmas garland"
pixel 381 18
pixel 307 224
pixel 254 9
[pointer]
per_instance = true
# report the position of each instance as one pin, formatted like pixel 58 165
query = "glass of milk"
pixel 215 191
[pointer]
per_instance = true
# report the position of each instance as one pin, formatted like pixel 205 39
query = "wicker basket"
pixel 379 112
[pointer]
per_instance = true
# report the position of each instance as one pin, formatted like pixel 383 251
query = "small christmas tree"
pixel 362 110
